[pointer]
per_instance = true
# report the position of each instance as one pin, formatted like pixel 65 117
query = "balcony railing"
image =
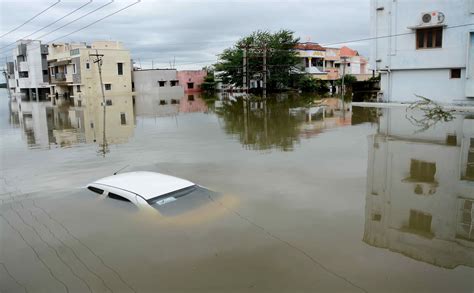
pixel 60 76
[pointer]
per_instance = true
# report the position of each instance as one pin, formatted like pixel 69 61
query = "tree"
pixel 309 84
pixel 209 84
pixel 348 80
pixel 282 59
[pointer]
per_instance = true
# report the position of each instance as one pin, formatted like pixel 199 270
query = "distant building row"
pixel 331 63
pixel 69 71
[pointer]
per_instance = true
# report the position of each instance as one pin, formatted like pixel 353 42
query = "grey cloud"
pixel 195 31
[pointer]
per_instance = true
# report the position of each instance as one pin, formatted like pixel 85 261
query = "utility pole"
pixel 244 70
pixel 151 64
pixel 265 71
pixel 98 61
pixel 343 86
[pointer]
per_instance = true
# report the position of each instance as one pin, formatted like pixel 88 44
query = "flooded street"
pixel 304 203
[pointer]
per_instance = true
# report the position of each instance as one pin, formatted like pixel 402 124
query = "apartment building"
pixel 28 73
pixel 431 52
pixel 74 74
pixel 420 189
pixel 327 63
pixel 162 84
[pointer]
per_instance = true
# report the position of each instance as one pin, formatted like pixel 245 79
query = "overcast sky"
pixel 191 32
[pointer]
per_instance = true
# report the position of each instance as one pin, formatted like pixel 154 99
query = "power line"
pixel 100 19
pixel 29 20
pixel 390 36
pixel 76 19
pixel 94 22
pixel 52 23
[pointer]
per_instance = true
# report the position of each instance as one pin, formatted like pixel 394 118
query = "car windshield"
pixel 180 201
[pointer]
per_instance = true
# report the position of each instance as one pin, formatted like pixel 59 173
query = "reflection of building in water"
pixel 45 125
pixel 420 190
pixel 192 103
pixel 169 104
pixel 119 122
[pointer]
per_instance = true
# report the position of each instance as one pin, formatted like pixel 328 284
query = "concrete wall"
pixel 399 54
pixel 146 82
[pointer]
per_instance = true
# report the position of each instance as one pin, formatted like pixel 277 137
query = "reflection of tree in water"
pixel 262 125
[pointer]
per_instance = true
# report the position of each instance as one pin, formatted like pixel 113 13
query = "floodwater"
pixel 370 200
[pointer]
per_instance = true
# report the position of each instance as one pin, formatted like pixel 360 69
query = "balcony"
pixel 315 70
pixel 60 76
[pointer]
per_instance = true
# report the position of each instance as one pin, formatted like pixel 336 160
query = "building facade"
pixel 74 74
pixel 431 52
pixel 28 74
pixel 328 63
pixel 162 84
pixel 191 80
pixel 420 189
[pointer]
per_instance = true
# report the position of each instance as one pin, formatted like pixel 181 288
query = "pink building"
pixel 191 80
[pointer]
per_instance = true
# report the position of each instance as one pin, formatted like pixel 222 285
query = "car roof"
pixel 146 184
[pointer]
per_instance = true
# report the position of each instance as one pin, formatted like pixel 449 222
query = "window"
pixel 74 69
pixel 470 162
pixel 23 74
pixel 123 119
pixel 427 38
pixel 95 189
pixel 190 85
pixel 190 97
pixel 88 65
pixel 108 86
pixel 174 82
pixel 163 102
pixel 465 226
pixel 78 88
pixel 376 217
pixel 45 72
pixel 79 103
pixel 52 71
pixel 174 101
pixel 456 73
pixel 65 69
pixel 108 102
pixel 17 83
pixel 420 221
pixel 162 83
pixel 120 68
pixel 422 171
pixel 117 197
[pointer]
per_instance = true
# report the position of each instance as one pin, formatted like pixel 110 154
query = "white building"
pixel 30 78
pixel 163 84
pixel 420 190
pixel 430 52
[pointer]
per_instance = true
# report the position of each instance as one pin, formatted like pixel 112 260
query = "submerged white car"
pixel 150 189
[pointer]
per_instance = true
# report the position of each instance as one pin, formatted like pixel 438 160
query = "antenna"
pixel 115 173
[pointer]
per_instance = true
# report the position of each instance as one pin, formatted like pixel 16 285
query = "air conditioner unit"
pixel 432 18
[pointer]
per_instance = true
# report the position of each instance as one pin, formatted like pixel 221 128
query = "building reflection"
pixel 278 122
pixel 420 189
pixel 48 126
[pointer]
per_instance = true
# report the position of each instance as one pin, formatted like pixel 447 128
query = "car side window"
pixel 117 197
pixel 95 189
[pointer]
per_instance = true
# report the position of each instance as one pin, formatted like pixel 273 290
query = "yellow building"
pixel 74 74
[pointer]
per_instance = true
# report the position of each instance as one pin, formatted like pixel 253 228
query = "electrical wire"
pixel 29 20
pixel 52 23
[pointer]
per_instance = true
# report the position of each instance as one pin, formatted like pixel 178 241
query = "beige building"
pixel 74 77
